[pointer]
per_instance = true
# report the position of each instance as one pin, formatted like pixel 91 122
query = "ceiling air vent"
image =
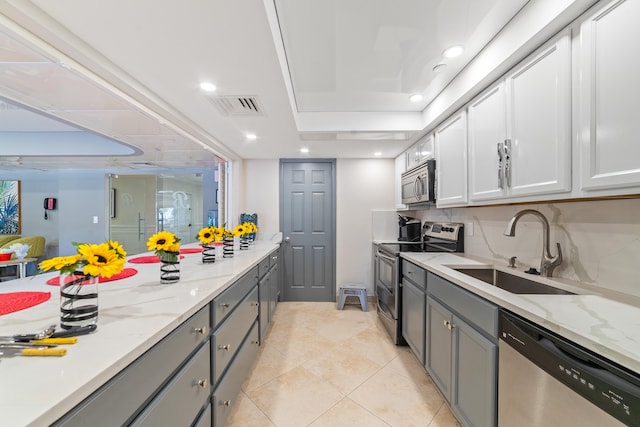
pixel 237 105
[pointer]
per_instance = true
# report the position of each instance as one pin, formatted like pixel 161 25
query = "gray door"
pixel 307 221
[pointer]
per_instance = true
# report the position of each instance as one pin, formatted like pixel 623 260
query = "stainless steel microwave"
pixel 418 184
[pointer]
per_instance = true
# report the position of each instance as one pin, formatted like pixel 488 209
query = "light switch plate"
pixel 469 227
pixel 95 219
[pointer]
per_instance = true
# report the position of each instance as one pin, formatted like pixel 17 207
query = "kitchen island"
pixel 135 313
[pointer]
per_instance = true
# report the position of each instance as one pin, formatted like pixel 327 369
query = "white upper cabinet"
pixel 538 94
pixel 487 131
pixel 420 152
pixel 609 125
pixel 451 161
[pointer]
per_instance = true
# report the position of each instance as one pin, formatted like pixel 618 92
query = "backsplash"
pixel 600 240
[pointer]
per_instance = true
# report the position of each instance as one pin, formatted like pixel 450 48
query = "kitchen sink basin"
pixel 510 282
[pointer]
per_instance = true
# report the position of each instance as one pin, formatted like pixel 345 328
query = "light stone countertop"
pixel 134 314
pixel 607 326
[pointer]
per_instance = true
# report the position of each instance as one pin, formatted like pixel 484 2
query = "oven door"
pixel 386 279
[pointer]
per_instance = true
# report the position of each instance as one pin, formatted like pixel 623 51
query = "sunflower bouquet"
pixel 209 235
pixel 104 259
pixel 166 245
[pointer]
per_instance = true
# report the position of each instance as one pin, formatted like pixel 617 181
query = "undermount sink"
pixel 510 282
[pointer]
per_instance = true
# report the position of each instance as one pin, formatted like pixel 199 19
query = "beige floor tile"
pixel 341 369
pixel 245 413
pixel 295 398
pixel 444 418
pixel 269 364
pixel 407 364
pixel 373 344
pixel 398 400
pixel 350 414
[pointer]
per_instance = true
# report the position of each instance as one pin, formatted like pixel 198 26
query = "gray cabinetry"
pixel 192 376
pixel 185 395
pixel 123 397
pixel 269 286
pixel 228 388
pixel 414 280
pixel 462 333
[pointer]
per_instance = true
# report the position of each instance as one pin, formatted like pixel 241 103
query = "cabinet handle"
pixel 507 161
pixel 224 305
pixel 257 304
pixel 500 162
pixel 202 330
pixel 226 403
pixel 226 347
pixel 450 326
pixel 203 383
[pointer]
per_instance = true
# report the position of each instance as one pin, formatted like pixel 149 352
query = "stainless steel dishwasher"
pixel 546 380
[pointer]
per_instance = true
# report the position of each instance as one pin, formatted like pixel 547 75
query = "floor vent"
pixel 237 105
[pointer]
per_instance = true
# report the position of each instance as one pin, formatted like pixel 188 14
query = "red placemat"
pixel 127 272
pixel 190 250
pixel 16 301
pixel 151 259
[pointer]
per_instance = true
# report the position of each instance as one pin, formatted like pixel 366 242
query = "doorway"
pixel 142 205
pixel 308 224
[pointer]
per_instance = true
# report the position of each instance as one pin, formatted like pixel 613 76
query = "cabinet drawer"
pixel 224 303
pixel 180 401
pixel 414 273
pixel 227 338
pixel 263 266
pixel 472 308
pixel 273 258
pixel 205 419
pixel 119 399
pixel 227 390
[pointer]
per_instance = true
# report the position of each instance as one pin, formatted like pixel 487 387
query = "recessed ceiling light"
pixel 452 52
pixel 304 150
pixel 207 87
pixel 439 68
pixel 415 98
pixel 251 136
pixel 377 153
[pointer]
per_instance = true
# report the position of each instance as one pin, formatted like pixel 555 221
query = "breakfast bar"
pixel 135 314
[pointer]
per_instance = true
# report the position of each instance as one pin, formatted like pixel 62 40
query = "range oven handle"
pixel 440 248
pixel 381 254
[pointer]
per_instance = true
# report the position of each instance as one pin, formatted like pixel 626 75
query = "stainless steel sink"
pixel 510 282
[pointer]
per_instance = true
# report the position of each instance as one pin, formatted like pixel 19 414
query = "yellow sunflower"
pixel 239 230
pixel 101 260
pixel 59 263
pixel 206 235
pixel 162 241
pixel 119 250
pixel 218 232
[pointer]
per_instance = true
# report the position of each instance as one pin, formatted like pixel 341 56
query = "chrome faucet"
pixel 548 262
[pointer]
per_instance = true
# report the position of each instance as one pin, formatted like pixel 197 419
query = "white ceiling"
pixel 331 75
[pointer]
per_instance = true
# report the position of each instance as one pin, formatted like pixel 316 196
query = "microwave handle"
pixel 420 188
pixel 415 188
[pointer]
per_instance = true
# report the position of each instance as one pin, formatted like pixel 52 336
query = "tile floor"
pixel 320 367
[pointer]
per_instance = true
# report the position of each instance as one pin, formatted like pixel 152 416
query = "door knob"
pixel 287 239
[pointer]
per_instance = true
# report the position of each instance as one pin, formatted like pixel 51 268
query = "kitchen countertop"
pixel 134 314
pixel 607 326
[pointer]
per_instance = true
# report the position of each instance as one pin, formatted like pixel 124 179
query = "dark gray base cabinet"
pixel 413 315
pixel 462 351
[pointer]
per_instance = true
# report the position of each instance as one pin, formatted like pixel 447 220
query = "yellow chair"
pixel 7 239
pixel 35 251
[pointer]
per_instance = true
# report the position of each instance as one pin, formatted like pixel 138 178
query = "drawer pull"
pixel 202 330
pixel 227 403
pixel 450 326
pixel 257 304
pixel 224 347
pixel 224 305
pixel 203 383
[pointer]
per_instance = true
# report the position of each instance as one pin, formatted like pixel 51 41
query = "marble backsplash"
pixel 600 240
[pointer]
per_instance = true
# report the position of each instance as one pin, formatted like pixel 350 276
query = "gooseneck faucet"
pixel 548 262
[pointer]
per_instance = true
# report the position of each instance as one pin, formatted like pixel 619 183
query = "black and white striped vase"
pixel 227 247
pixel 170 267
pixel 244 242
pixel 208 253
pixel 78 300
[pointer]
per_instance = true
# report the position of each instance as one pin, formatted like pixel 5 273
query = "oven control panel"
pixel 442 230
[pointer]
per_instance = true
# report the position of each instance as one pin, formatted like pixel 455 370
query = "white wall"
pixel 261 194
pixel 362 186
